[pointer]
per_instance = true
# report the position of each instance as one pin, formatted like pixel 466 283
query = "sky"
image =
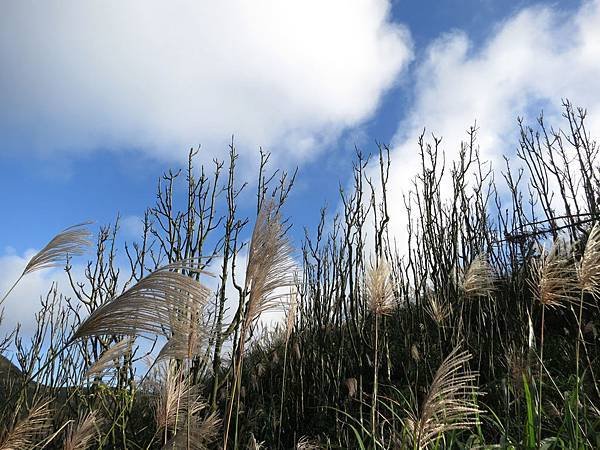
pixel 99 98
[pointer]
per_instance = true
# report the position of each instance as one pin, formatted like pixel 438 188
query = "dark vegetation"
pixel 477 327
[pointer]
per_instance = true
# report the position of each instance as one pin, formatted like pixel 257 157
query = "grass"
pixel 463 333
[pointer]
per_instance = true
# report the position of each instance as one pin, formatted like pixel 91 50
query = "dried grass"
pixel 270 264
pixel 155 305
pixel 555 281
pixel 589 266
pixel 80 436
pixel 380 289
pixel 177 411
pixel 291 315
pixel 175 400
pixel 438 310
pixel 28 431
pixel 479 279
pixel 198 434
pixel 72 241
pixel 449 404
pixel 110 358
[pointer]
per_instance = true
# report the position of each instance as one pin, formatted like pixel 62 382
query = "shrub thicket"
pixel 475 327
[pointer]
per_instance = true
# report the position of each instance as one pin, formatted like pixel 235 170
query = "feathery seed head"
pixel 270 264
pixel 110 358
pixel 589 266
pixel 26 434
pixel 80 436
pixel 554 280
pixel 479 279
pixel 72 241
pixel 438 310
pixel 380 290
pixel 449 404
pixel 163 303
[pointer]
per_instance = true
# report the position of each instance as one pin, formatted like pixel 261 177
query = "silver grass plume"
pixel 589 266
pixel 253 444
pixel 81 435
pixel 305 443
pixel 188 332
pixel 176 411
pixel 270 268
pixel 72 241
pixel 438 310
pixel 175 400
pixel 150 305
pixel 110 357
pixel 479 279
pixel 26 433
pixel 196 434
pixel 449 404
pixel 379 289
pixel 270 264
pixel 554 280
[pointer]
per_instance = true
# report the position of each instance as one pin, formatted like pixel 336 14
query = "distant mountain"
pixel 8 369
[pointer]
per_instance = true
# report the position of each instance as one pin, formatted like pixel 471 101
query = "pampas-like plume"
pixel 589 266
pixel 176 411
pixel 438 310
pixel 305 443
pixel 554 277
pixel 253 444
pixel 197 434
pixel 270 264
pixel 72 241
pixel 270 268
pixel 379 289
pixel 109 358
pixel 24 435
pixel 479 278
pixel 150 306
pixel 80 436
pixel 449 404
pixel 188 333
pixel 381 301
pixel 176 399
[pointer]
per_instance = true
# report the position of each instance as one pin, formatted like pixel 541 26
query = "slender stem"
pixel 237 373
pixel 375 364
pixel 282 395
pixel 11 289
pixel 539 440
pixel 577 348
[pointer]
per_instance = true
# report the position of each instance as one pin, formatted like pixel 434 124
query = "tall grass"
pixel 462 332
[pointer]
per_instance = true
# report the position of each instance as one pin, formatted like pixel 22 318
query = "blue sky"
pixel 99 98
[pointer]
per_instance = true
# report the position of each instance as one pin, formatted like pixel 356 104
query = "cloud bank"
pixel 530 62
pixel 164 76
pixel 23 303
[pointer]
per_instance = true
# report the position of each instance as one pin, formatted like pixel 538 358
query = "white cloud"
pixel 132 227
pixel 531 61
pixel 164 76
pixel 23 302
